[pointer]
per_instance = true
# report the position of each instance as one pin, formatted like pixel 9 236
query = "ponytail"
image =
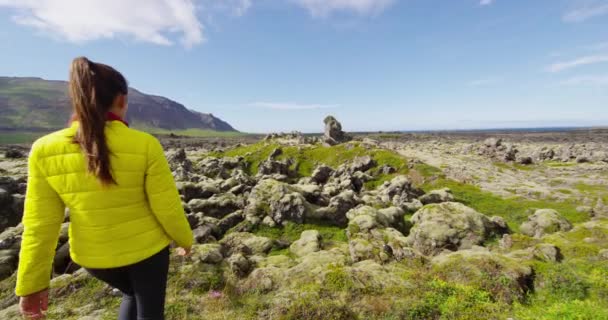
pixel 93 89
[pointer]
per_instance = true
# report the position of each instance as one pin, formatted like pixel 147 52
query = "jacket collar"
pixel 110 116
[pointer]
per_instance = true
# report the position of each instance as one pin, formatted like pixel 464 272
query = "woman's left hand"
pixel 33 306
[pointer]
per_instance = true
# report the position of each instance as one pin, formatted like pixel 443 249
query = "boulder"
pixel 274 167
pixel 217 206
pixel 333 132
pixel 542 252
pixel 510 153
pixel 386 169
pixel 398 192
pixel 14 153
pixel 62 263
pixel 207 253
pixel 219 168
pixel 256 245
pixel 201 190
pixel 277 200
pixel 362 164
pixel 544 221
pixel 239 265
pixel 275 153
pixel 321 174
pixel 313 193
pixel 437 196
pixel 229 221
pixel 370 236
pixel 449 225
pixel 8 263
pixel 179 164
pixel 11 207
pixel 338 206
pixel 310 241
pixel 525 160
pixel 545 154
pixel 205 233
pixel 492 142
pixel 482 268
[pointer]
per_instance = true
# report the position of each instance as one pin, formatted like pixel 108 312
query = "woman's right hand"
pixel 184 252
pixel 32 307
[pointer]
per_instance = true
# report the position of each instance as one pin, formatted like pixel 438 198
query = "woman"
pixel 124 207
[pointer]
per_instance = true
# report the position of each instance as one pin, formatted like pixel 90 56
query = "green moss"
pixel 69 297
pixel 196 278
pixel 336 279
pixel 254 154
pixel 280 252
pixel 514 166
pixel 443 300
pixel 557 164
pixel 292 231
pixel 560 282
pixel 591 188
pixel 514 210
pixel 563 310
pixel 428 171
pixel 7 287
pixel 307 158
pixel 313 308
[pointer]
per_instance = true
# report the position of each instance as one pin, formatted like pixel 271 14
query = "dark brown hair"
pixel 93 89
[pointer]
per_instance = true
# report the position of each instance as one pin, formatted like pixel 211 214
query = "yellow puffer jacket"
pixel 110 227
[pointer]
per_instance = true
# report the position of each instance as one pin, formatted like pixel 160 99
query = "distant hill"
pixel 38 104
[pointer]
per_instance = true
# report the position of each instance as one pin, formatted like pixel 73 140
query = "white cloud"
pixel 324 8
pixel 587 11
pixel 565 65
pixel 486 2
pixel 153 21
pixel 235 7
pixel 587 81
pixel 241 7
pixel 290 106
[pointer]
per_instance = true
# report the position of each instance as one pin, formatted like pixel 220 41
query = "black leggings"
pixel 143 286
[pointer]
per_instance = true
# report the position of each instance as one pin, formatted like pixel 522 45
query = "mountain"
pixel 38 104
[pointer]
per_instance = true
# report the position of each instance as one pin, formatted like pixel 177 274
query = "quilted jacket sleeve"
pixel 42 218
pixel 164 198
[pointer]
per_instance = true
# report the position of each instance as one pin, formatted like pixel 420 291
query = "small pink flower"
pixel 215 294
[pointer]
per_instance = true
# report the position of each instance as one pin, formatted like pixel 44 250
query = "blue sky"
pixel 282 65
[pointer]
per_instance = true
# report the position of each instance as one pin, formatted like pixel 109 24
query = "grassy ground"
pixel 514 210
pixel 194 132
pixel 575 288
pixel 18 137
pixel 309 157
pixel 11 137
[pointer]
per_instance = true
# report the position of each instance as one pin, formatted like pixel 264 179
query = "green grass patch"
pixel 444 300
pixel 591 188
pixel 307 158
pixel 68 299
pixel 13 137
pixel 201 133
pixel 514 166
pixel 427 171
pixel 292 231
pixel 514 210
pixel 557 164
